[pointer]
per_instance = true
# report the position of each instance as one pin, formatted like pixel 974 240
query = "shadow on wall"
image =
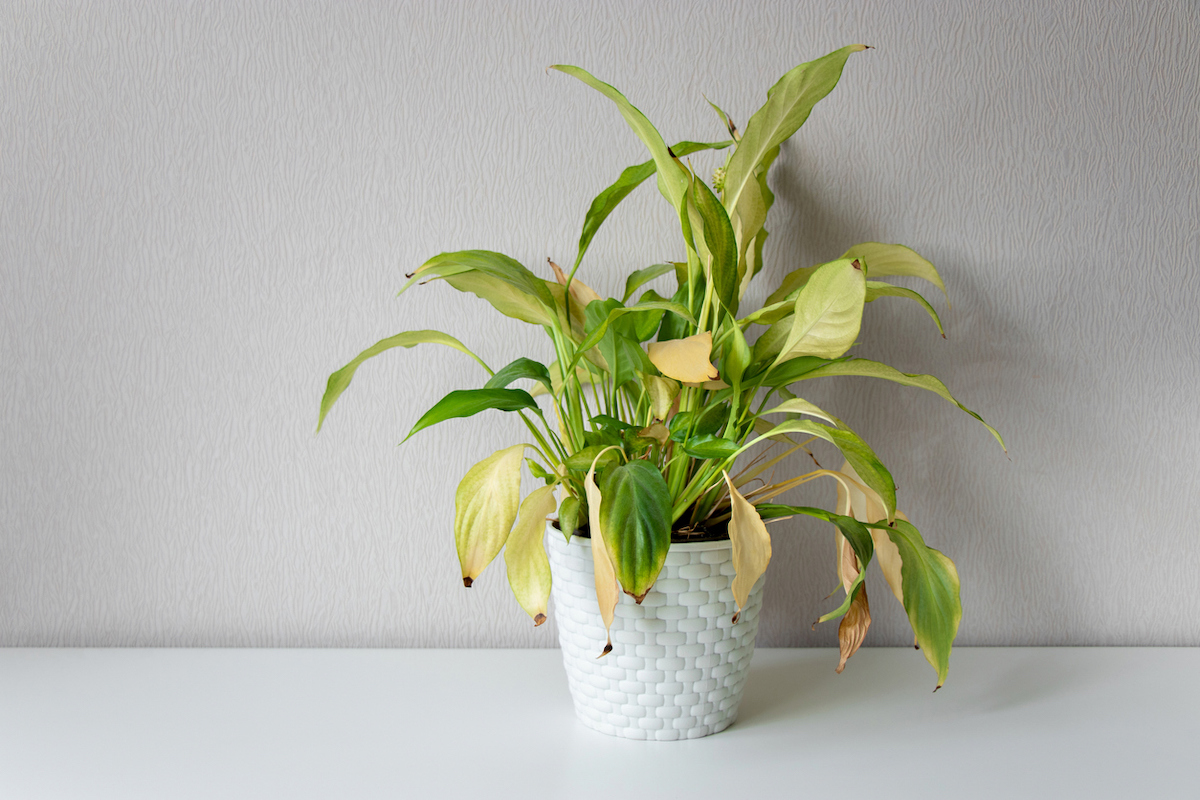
pixel 953 479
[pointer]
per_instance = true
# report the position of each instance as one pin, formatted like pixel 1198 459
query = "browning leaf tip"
pixel 606 651
pixel 468 581
pixel 736 614
pixel 671 153
pixel 539 619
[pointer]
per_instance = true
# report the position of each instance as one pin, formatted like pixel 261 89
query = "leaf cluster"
pixel 662 415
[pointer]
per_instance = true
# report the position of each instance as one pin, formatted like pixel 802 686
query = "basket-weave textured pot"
pixel 678 663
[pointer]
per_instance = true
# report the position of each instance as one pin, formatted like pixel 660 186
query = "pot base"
pixel 678 664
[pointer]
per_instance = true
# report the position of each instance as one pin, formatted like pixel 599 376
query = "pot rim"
pixel 679 547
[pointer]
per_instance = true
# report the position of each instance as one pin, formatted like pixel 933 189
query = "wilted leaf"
pixel 877 289
pixel 581 293
pixel 485 507
pixel 751 545
pixel 687 360
pixel 853 628
pixel 608 591
pixel 798 405
pixel 521 368
pixel 525 555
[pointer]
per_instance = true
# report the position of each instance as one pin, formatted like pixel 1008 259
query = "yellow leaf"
pixel 866 506
pixel 525 555
pixel 686 360
pixel 658 432
pixel 581 293
pixel 485 507
pixel 751 545
pixel 854 626
pixel 608 591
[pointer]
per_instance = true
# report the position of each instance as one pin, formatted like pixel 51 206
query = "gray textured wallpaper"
pixel 206 208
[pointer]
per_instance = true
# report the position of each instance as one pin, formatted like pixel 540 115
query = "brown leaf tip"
pixel 671 153
pixel 539 619
pixel 736 614
pixel 856 265
pixel 606 651
pixel 468 581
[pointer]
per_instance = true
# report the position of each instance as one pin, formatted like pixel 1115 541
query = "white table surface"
pixel 1010 723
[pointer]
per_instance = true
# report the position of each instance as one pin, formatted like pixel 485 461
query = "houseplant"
pixel 651 404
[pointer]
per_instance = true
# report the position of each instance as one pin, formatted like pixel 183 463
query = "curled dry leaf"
pixel 485 507
pixel 853 628
pixel 686 360
pixel 525 555
pixel 866 506
pixel 751 545
pixel 608 591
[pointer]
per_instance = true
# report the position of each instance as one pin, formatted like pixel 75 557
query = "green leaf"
pixel 710 447
pixel 467 402
pixel 877 289
pixel 570 513
pixel 873 369
pixel 793 370
pixel 672 180
pixel 339 380
pixel 729 126
pixel 485 507
pixel 596 334
pixel 511 289
pixel 931 595
pixel 883 260
pixel 721 243
pixel 635 514
pixel 525 555
pixel 518 369
pixel 641 277
pixel 856 451
pixel 788 105
pixel 791 285
pixel 798 405
pixel 711 419
pixel 736 359
pixel 632 177
pixel 828 312
pixel 582 460
pixel 748 220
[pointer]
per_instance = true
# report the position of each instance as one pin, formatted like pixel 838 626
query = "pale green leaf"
pixel 877 289
pixel 485 507
pixel 883 260
pixel 828 312
pixel 525 554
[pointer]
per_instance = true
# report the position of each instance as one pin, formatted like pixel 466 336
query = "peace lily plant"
pixel 652 402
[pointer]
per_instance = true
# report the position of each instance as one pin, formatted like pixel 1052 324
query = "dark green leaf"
pixel 570 513
pixel 582 460
pixel 635 515
pixel 643 276
pixel 721 243
pixel 709 446
pixel 467 402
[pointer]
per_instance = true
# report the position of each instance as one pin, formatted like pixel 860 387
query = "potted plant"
pixel 662 415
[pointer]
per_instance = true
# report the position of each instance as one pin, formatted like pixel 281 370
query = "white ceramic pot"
pixel 678 663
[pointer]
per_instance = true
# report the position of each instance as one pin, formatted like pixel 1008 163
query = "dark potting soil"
pixel 716 533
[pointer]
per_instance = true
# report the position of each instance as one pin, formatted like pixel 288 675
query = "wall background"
pixel 206 208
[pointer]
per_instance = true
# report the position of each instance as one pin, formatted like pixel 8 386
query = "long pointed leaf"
pixel 721 243
pixel 339 380
pixel 873 369
pixel 751 545
pixel 468 402
pixel 789 102
pixel 632 177
pixel 635 514
pixel 877 289
pixel 883 260
pixel 608 591
pixel 521 368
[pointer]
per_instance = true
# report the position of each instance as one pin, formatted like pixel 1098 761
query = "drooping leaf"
pixel 751 545
pixel 672 180
pixel 641 277
pixel 791 285
pixel 873 369
pixel 853 627
pixel 828 312
pixel 485 508
pixel 877 289
pixel 608 591
pixel 511 288
pixel 525 555
pixel 632 177
pixel 687 360
pixel 636 516
pixel 788 105
pixel 467 402
pixel 518 369
pixel 883 260
pixel 857 453
pixel 339 380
